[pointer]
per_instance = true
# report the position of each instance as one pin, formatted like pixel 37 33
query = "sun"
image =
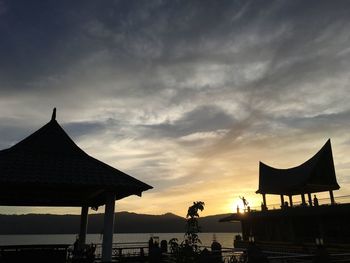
pixel 236 205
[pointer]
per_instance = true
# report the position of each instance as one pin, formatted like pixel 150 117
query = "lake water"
pixel 225 239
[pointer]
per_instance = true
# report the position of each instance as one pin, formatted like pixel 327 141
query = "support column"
pixel 83 224
pixel 108 228
pixel 303 199
pixel 282 201
pixel 332 197
pixel 264 201
pixel 290 200
pixel 310 199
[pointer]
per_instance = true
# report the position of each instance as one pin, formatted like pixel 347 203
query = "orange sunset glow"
pixel 184 96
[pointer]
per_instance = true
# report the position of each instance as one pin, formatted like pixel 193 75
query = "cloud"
pixel 201 119
pixel 174 92
pixel 77 129
pixel 331 122
pixel 3 8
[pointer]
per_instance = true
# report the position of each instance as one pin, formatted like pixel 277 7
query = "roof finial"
pixel 53 114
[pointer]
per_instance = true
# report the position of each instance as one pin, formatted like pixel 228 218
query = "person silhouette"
pixel 315 201
pixel 245 202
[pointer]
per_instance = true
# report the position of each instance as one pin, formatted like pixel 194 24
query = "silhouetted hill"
pixel 125 223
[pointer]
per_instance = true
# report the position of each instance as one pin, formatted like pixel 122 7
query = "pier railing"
pixel 138 252
pixel 343 199
pixel 125 249
pixel 129 250
pixel 233 255
pixel 40 253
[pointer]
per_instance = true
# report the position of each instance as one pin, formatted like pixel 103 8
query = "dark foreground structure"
pixel 297 226
pixel 48 169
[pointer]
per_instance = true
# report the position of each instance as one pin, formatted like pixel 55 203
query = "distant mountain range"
pixel 125 222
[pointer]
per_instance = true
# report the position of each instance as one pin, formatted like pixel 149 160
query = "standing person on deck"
pixel 315 201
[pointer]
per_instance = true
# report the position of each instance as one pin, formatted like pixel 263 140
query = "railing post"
pixel 282 201
pixel 303 199
pixel 291 200
pixel 310 199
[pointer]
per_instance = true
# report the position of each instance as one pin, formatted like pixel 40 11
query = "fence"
pixel 34 253
pixel 239 256
pixel 138 252
pixel 129 250
pixel 321 201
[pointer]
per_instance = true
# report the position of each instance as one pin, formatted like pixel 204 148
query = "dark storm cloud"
pixel 201 119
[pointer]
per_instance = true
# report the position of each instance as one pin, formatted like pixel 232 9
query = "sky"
pixel 187 96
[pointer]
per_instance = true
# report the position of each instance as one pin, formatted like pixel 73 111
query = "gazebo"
pixel 297 228
pixel 315 175
pixel 48 169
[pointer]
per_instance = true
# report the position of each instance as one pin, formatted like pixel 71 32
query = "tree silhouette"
pixel 188 251
pixel 191 235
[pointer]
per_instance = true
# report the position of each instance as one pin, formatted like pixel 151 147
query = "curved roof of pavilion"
pixel 315 175
pixel 48 169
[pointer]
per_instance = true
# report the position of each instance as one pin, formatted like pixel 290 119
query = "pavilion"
pixel 296 227
pixel 315 175
pixel 48 169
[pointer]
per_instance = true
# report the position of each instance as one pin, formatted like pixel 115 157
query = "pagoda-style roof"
pixel 48 169
pixel 315 175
